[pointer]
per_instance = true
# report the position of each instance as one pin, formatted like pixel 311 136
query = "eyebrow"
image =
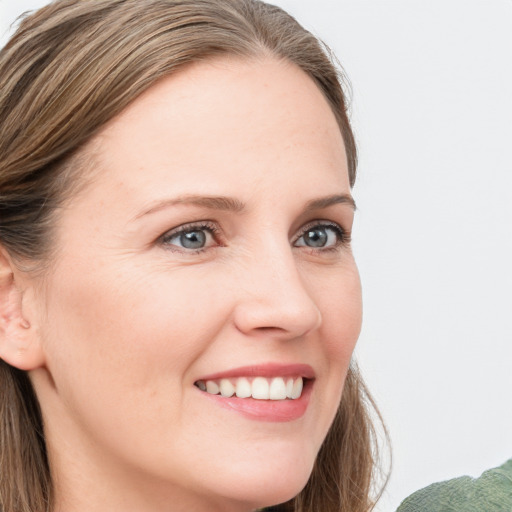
pixel 210 202
pixel 231 204
pixel 325 202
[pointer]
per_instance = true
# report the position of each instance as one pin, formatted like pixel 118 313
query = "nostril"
pixel 269 329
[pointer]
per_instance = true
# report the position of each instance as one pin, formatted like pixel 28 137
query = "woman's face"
pixel 210 248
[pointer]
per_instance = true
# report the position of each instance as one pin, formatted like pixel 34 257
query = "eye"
pixel 195 237
pixel 322 236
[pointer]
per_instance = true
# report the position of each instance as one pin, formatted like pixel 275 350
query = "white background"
pixel 432 111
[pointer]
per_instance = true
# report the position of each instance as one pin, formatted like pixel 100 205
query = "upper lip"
pixel 265 370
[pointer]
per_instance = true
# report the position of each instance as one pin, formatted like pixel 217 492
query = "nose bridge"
pixel 274 296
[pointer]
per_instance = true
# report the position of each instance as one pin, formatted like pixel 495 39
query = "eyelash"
pixel 343 236
pixel 210 227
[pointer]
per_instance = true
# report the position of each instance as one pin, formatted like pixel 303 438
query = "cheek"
pixel 120 353
pixel 340 303
pixel 137 334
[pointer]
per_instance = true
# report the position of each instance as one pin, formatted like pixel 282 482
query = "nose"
pixel 273 299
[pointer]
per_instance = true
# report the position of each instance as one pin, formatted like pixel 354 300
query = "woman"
pixel 179 299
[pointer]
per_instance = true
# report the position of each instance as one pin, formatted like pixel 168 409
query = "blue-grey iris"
pixel 316 237
pixel 193 239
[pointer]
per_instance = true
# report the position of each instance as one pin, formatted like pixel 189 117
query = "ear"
pixel 20 345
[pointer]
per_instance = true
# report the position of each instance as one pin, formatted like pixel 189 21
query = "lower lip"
pixel 266 410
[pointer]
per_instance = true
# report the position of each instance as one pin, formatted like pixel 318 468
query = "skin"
pixel 125 322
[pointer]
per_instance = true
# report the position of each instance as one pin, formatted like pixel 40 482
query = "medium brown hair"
pixel 69 69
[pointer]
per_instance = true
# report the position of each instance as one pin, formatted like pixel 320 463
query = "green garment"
pixel 492 492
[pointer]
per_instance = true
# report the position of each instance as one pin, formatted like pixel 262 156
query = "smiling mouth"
pixel 259 388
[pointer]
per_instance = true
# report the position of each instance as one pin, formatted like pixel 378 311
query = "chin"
pixel 264 483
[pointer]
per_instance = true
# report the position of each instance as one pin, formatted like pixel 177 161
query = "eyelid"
pixel 203 225
pixel 343 234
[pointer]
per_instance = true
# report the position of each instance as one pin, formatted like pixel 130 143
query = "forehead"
pixel 218 122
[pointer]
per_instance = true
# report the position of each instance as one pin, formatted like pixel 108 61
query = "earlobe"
pixel 20 345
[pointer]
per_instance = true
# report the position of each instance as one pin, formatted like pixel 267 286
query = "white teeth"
pixel 212 387
pixel 261 388
pixel 243 388
pixel 226 388
pixel 289 388
pixel 297 389
pixel 277 389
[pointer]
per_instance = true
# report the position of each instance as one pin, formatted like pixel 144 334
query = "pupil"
pixel 316 237
pixel 193 240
